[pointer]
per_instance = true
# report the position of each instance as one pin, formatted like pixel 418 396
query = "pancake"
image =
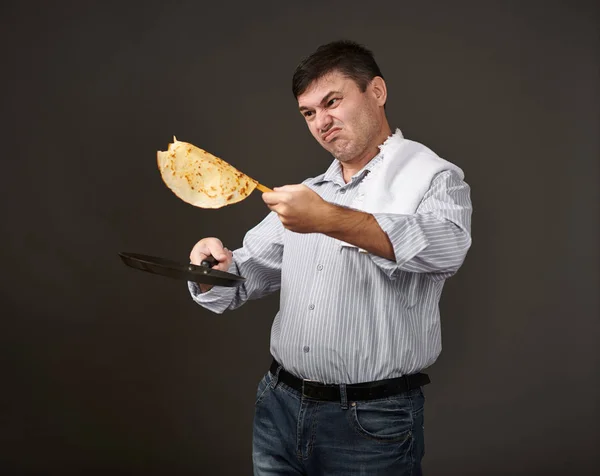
pixel 201 179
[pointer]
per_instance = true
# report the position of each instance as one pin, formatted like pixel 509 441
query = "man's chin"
pixel 343 155
pixel 338 150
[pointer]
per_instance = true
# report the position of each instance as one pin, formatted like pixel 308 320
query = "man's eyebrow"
pixel 324 100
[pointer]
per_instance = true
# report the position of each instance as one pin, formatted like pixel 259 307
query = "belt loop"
pixel 276 377
pixel 343 396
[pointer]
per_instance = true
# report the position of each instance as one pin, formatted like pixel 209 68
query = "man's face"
pixel 344 120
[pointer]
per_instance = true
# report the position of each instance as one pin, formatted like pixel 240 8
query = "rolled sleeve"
pixel 407 239
pixel 216 300
pixel 436 238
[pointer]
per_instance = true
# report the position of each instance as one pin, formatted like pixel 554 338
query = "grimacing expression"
pixel 344 120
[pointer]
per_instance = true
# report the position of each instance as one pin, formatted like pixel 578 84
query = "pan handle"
pixel 209 262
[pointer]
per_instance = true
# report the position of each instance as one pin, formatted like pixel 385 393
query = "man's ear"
pixel 379 90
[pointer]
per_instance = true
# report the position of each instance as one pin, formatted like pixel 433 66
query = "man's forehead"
pixel 334 81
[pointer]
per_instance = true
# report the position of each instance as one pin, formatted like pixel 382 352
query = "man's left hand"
pixel 299 208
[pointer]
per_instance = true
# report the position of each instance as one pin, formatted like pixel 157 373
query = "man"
pixel 360 254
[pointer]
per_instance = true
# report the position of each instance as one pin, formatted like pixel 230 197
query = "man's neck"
pixel 349 169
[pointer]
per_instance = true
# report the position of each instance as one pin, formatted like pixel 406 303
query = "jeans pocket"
pixel 389 420
pixel 263 387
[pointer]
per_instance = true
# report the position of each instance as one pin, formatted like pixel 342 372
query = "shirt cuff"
pixel 216 300
pixel 407 238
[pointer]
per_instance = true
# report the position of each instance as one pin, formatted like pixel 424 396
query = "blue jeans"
pixel 295 435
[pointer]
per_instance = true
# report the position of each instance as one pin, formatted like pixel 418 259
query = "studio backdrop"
pixel 108 370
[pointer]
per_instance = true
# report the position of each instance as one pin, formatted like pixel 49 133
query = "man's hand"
pixel 211 247
pixel 299 208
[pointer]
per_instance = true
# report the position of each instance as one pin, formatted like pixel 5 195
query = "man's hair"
pixel 347 57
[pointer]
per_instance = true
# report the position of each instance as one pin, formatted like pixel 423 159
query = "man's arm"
pixel 434 240
pixel 258 260
pixel 359 229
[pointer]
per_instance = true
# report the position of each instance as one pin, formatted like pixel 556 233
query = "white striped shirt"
pixel 346 316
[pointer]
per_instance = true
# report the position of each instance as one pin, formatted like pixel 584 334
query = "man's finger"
pixel 285 188
pixel 217 252
pixel 271 198
pixel 290 188
pixel 197 256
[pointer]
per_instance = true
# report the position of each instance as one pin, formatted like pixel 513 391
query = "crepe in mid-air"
pixel 201 179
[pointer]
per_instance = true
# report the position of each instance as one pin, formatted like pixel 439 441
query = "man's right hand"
pixel 211 247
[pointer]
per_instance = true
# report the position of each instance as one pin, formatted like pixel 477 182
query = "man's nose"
pixel 324 122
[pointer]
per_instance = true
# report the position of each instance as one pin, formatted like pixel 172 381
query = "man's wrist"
pixel 329 218
pixel 204 288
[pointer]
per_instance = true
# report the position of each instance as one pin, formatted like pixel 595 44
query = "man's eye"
pixel 308 113
pixel 332 101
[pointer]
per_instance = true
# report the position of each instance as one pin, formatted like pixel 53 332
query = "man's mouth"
pixel 329 134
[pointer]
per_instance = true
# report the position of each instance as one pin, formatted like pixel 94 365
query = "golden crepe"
pixel 201 179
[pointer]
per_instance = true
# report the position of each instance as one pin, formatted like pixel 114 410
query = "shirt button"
pixel 306 348
pixel 343 190
pixel 320 267
pixel 311 306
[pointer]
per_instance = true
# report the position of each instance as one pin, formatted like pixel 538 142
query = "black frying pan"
pixel 203 274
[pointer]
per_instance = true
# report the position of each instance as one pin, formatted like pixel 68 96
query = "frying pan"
pixel 203 274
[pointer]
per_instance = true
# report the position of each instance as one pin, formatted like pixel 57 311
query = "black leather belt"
pixel 354 392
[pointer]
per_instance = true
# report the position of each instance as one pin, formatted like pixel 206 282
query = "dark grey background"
pixel 106 370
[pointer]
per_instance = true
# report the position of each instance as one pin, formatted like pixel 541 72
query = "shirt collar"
pixel 334 172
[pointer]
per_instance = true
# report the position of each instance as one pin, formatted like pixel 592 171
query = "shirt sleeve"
pixel 258 260
pixel 437 237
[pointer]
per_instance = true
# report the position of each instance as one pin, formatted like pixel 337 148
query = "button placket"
pixel 307 343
